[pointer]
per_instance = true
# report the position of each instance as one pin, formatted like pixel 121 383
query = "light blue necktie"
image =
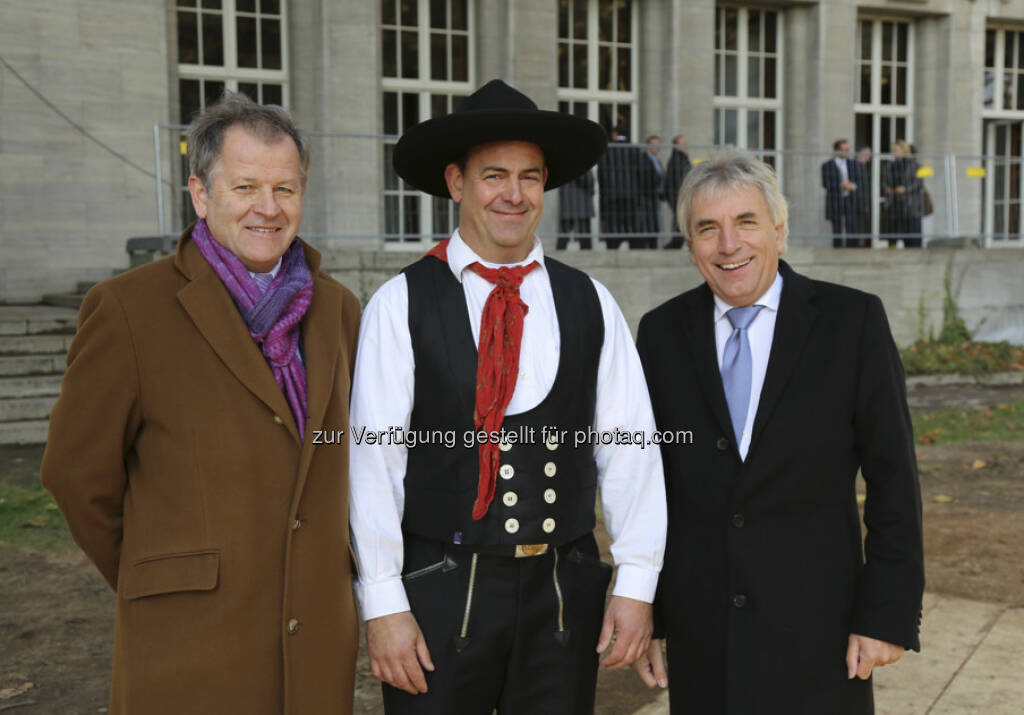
pixel 263 281
pixel 737 367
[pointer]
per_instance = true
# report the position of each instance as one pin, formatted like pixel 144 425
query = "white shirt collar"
pixel 273 271
pixel 769 300
pixel 461 255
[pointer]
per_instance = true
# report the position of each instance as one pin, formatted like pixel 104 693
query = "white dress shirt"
pixel 760 333
pixel 383 388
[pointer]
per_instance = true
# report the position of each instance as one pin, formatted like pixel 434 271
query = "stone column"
pixel 335 87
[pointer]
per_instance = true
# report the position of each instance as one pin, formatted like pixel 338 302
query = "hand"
pixel 397 649
pixel 864 654
pixel 650 666
pixel 631 623
pixel 901 189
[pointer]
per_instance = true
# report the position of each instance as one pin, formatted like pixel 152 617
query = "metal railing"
pixel 926 199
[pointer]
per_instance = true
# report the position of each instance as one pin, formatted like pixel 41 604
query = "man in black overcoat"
pixel 676 171
pixel 767 599
pixel 838 178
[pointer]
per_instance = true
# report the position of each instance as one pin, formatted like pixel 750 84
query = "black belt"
pixel 512 551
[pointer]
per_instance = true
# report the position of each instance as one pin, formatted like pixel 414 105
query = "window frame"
pixel 742 103
pixel 424 87
pixel 230 73
pixel 592 95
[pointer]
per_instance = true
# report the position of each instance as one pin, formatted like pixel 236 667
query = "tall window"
pixel 427 69
pixel 1003 114
pixel 747 79
pixel 883 93
pixel 597 61
pixel 230 44
pixel 239 45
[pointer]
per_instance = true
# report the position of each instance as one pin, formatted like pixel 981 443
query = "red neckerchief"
pixel 497 368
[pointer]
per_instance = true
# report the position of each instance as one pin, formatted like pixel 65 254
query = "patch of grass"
pixel 29 517
pixel 999 423
pixel 927 357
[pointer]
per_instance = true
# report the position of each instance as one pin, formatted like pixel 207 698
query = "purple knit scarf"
pixel 272 317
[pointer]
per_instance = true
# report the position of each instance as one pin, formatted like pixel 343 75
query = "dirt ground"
pixel 56 613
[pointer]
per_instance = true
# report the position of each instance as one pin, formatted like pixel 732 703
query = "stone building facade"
pixel 83 82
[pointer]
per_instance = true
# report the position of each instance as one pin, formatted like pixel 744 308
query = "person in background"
pixel 904 198
pixel 675 172
pixel 575 209
pixel 865 183
pixel 619 190
pixel 837 178
pixel 651 177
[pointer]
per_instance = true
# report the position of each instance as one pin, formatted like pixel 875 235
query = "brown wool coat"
pixel 176 461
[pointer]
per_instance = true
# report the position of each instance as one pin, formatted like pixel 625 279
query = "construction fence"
pixel 870 200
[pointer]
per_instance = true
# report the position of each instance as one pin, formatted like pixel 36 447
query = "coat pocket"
pixel 170 573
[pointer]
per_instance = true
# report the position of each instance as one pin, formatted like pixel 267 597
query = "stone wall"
pixel 910 283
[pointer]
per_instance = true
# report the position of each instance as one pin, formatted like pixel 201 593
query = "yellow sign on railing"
pixel 924 172
pixel 976 172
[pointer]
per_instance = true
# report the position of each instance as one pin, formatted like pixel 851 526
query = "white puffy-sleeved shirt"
pixel 630 475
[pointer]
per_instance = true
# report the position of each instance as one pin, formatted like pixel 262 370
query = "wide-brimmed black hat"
pixel 497 112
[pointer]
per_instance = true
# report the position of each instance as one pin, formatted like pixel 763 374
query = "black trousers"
pixel 510 640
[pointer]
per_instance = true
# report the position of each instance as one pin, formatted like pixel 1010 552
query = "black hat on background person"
pixel 497 112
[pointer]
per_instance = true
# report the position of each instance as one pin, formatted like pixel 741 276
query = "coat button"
pixel 739 600
pixel 296 524
pixel 550 469
pixel 550 496
pixel 509 498
pixel 722 444
pixel 278 420
pixel 512 525
pixel 293 626
pixel 738 521
pixel 548 526
pixel 507 471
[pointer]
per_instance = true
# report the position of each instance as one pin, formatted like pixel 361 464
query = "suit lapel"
pixel 792 327
pixel 700 327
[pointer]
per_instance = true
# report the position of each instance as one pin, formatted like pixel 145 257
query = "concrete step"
pixel 31 365
pixel 32 386
pixel 24 432
pixel 36 320
pixel 64 300
pixel 34 344
pixel 26 408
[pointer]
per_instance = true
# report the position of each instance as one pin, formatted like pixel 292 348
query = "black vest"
pixel 545 491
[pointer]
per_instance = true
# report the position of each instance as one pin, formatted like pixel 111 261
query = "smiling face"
pixel 254 204
pixel 501 198
pixel 735 245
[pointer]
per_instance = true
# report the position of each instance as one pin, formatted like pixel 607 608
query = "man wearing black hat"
pixel 495 390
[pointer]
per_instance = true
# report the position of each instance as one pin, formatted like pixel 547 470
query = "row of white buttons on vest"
pixel 512 525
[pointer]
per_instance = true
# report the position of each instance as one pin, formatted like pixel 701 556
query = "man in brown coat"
pixel 183 449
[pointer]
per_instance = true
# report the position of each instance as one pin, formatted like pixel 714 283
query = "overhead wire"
pixel 78 127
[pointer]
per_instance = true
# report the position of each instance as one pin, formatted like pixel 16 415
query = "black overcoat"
pixel 764 575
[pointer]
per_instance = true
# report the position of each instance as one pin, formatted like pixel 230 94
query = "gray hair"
pixel 269 122
pixel 732 170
